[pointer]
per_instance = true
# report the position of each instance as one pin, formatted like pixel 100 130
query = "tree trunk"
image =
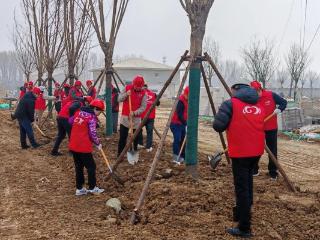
pixel 50 81
pixel 290 89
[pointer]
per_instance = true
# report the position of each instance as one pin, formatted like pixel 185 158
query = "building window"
pixel 156 75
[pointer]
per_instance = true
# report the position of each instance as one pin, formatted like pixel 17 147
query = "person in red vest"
pixel 64 128
pixel 115 108
pixel 242 117
pixel 30 86
pixel 65 94
pixel 83 134
pixel 178 126
pixel 57 94
pixel 151 98
pixel 75 92
pixel 139 103
pixel 92 92
pixel 23 90
pixel 273 104
pixel 40 105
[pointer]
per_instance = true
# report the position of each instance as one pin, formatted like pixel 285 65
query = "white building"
pixel 154 73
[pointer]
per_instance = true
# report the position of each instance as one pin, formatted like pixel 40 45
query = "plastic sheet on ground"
pixel 4 106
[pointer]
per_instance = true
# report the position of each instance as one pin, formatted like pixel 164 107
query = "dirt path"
pixel 37 196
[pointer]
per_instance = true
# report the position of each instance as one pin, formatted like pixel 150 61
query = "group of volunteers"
pixel 77 118
pixel 249 118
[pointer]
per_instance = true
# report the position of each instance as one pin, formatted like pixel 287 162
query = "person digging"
pixel 83 135
pixel 273 104
pixel 178 127
pixel 136 94
pixel 64 127
pixel 24 113
pixel 242 117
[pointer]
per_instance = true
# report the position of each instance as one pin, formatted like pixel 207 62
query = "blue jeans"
pixel 26 130
pixel 179 133
pixel 149 128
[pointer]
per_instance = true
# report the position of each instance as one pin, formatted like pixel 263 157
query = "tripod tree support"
pixel 272 157
pixel 191 155
pixel 144 120
pixel 214 112
pixel 135 214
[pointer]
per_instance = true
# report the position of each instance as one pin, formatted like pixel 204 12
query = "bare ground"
pixel 37 195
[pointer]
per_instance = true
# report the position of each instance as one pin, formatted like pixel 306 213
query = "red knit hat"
pixel 256 85
pixel 138 82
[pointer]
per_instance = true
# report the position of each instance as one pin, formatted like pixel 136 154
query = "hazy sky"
pixel 157 28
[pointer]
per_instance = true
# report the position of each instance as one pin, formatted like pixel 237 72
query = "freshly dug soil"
pixel 38 202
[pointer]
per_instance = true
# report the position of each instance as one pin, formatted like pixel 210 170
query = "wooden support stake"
pixel 224 145
pixel 144 120
pixel 139 204
pixel 117 75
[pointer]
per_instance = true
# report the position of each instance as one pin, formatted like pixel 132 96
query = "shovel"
pixel 40 131
pixel 113 175
pixel 132 156
pixel 217 157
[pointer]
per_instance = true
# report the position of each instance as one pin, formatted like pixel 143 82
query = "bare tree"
pixel 24 55
pixel 259 60
pixel 107 40
pixel 10 73
pixel 213 49
pixel 198 11
pixel 33 12
pixel 281 77
pixel 77 30
pixel 312 77
pixel 297 62
pixel 233 72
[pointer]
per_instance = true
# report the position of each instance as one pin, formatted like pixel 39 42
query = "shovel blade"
pixel 133 157
pixel 214 160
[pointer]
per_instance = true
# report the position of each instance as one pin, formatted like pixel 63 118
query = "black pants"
pixel 123 139
pixel 271 141
pixel 57 106
pixel 26 130
pixel 149 128
pixel 64 128
pixel 242 169
pixel 86 160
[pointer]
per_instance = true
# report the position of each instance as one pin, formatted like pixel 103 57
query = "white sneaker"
pixel 82 191
pixel 96 190
pixel 140 146
pixel 149 149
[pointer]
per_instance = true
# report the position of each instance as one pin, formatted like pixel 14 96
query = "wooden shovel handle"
pixel 269 117
pixel 182 146
pixel 40 131
pixel 130 117
pixel 106 159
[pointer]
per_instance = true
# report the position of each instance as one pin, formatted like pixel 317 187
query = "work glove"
pixel 276 111
pixel 99 147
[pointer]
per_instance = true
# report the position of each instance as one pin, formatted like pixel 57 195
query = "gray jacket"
pixel 124 120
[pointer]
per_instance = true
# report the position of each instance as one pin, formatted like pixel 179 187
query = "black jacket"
pixel 224 115
pixel 25 108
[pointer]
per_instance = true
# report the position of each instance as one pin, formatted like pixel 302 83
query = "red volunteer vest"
pixel 92 92
pixel 78 93
pixel 64 112
pixel 22 93
pixel 151 98
pixel 79 139
pixel 175 118
pixel 136 99
pixel 64 98
pixel 116 106
pixel 269 105
pixel 40 103
pixel 245 133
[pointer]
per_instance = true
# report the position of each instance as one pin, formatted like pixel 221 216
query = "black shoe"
pixel 36 145
pixel 56 154
pixel 273 175
pixel 237 232
pixel 25 147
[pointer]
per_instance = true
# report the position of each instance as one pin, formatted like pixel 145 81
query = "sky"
pixel 158 28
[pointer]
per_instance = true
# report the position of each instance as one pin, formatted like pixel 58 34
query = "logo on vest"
pixel 251 110
pixel 267 103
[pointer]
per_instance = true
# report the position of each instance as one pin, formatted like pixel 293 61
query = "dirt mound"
pixel 38 202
